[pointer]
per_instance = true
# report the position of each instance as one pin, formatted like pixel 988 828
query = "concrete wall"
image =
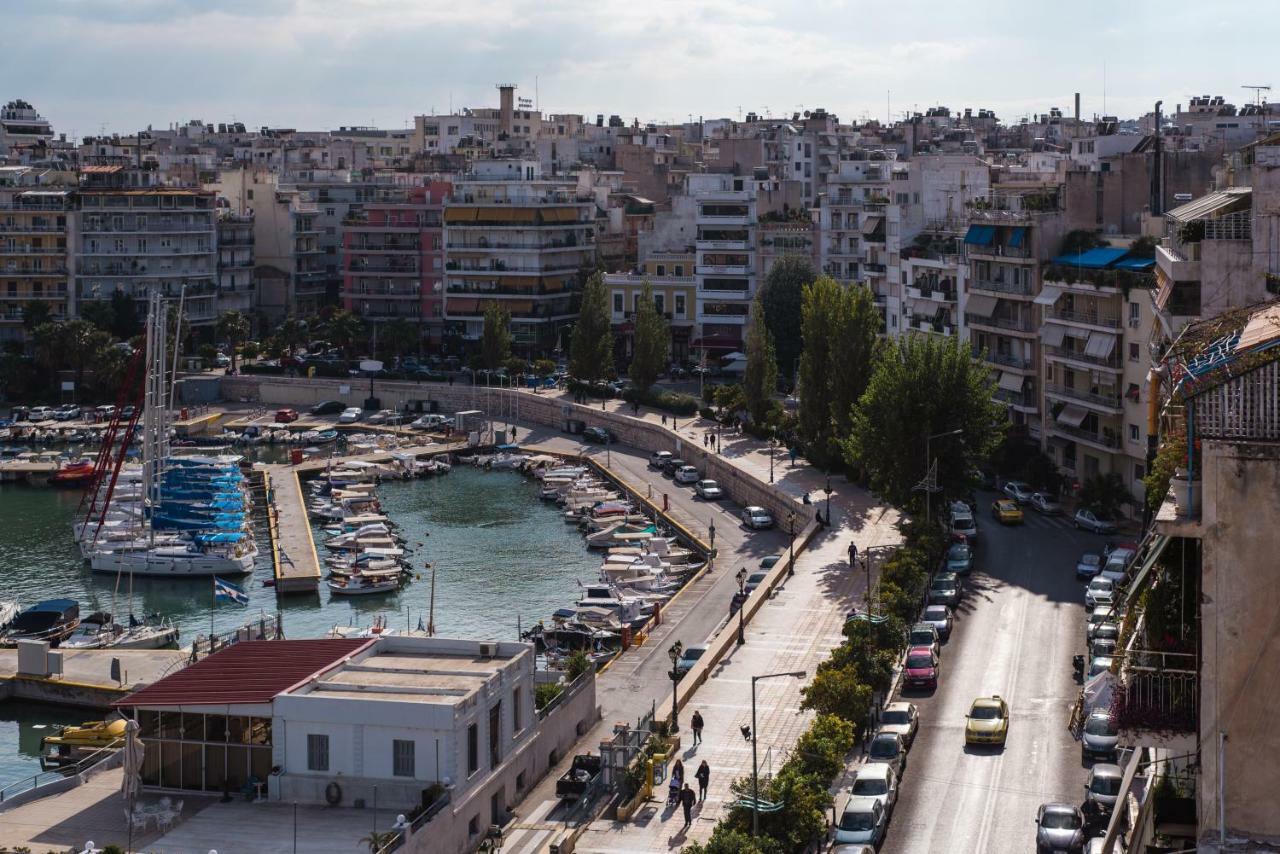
pixel 1240 641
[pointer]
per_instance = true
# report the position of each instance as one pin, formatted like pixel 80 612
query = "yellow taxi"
pixel 987 721
pixel 1006 511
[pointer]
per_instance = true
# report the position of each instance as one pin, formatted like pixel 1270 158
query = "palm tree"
pixel 292 334
pixel 234 327
pixel 345 330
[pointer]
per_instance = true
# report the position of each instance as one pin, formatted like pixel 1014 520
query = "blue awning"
pixel 980 235
pixel 1135 264
pixel 1095 259
pixel 1017 236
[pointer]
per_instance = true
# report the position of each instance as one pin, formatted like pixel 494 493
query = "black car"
pixel 599 435
pixel 328 407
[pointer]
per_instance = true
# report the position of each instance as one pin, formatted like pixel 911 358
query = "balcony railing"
pixel 1003 359
pixel 1017 288
pixel 1080 356
pixel 1158 691
pixel 1106 439
pixel 1016 324
pixel 480 290
pixel 1091 318
pixel 1026 400
pixel 928 324
pixel 1112 401
pixel 21 228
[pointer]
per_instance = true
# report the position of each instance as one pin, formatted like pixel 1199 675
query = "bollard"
pixel 657 613
pixel 666 502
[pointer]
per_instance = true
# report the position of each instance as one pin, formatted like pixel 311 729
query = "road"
pixel 1017 628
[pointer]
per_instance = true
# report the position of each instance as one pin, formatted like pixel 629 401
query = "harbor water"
pixel 502 558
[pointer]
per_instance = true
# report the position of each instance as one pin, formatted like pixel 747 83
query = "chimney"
pixel 1077 106
pixel 506 106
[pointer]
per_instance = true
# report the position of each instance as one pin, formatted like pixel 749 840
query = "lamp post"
pixel 755 762
pixel 827 490
pixel 791 547
pixel 773 446
pixel 928 463
pixel 674 654
pixel 741 578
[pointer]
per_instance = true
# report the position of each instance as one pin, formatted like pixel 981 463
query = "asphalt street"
pixel 1020 622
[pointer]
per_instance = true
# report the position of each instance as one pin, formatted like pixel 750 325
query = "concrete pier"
pixel 85 680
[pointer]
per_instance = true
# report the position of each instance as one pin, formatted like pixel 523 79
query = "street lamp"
pixel 791 531
pixel 773 445
pixel 752 734
pixel 930 488
pixel 741 578
pixel 827 490
pixel 674 654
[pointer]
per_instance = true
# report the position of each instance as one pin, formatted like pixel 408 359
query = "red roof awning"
pixel 246 672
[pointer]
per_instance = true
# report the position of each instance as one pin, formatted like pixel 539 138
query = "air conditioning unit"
pixel 488 650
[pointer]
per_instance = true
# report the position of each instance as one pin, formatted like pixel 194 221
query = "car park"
pixel 1018 491
pixel 599 435
pixel 902 718
pixel 686 474
pixel 688 657
pixel 1091 521
pixel 889 748
pixel 944 591
pixel 1099 736
pixel 658 459
pixel 921 668
pixel 987 721
pixel 328 407
pixel 708 490
pixel 1103 787
pixel 924 635
pixel 1046 504
pixel 350 415
pixel 757 518
pixel 286 416
pixel 876 780
pixel 1088 565
pixel 959 559
pixel 1059 827
pixel 938 616
pixel 754 580
pixel 1101 591
pixel 1006 511
pixel 862 824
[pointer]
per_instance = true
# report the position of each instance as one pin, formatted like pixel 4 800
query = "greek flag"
pixel 225 590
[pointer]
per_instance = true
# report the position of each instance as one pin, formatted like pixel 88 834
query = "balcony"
pixel 1009 324
pixel 928 324
pixel 479 289
pixel 1004 360
pixel 872 267
pixel 1111 402
pixel 999 251
pixel 28 270
pixel 236 241
pixel 1002 288
pixel 520 245
pixel 1023 401
pixel 1107 440
pixel 1084 318
pixel 1158 690
pixel 711 317
pixel 26 228
pixel 146 226
pixel 358 269
pixel 1178 266
pixel 725 270
pixel 1079 357
pixel 739 245
pixel 33 250
pixel 917 292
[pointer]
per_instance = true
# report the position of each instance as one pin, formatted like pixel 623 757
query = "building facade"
pixel 36 248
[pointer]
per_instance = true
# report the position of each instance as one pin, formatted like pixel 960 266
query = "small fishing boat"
pixel 361 585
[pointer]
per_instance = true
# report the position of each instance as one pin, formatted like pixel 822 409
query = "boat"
pixel 360 585
pixel 73 475
pixel 50 620
pixel 223 553
pixel 72 743
pixel 8 610
pixel 94 632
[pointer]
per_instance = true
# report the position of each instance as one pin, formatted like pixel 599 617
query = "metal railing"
pixel 1016 324
pixel 1081 356
pixel 1002 359
pixel 1000 287
pixel 1233 226
pixel 1090 317
pixel 1109 440
pixel 1016 398
pixel 44 778
pixel 1158 690
pixel 1110 400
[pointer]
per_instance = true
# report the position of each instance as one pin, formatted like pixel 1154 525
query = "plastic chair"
pixel 164 822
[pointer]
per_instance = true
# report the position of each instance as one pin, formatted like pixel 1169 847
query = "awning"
pixel 1093 259
pixel 457 215
pixel 980 235
pixel 559 215
pixel 1072 415
pixel 1017 236
pixel 1134 264
pixel 1155 545
pixel 1052 334
pixel 1213 204
pixel 1010 382
pixel 1100 345
pixel 871 223
pixel 982 305
pixel 1048 295
pixel 460 306
pixel 1081 334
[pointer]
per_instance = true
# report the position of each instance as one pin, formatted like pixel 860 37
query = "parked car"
pixel 1018 491
pixel 987 721
pixel 1117 565
pixel 959 558
pixel 938 616
pixel 876 780
pixel 1088 565
pixel 575 782
pixel 286 416
pixel 888 747
pixel 1103 647
pixel 1046 504
pixel 689 657
pixel 687 474
pixel 40 413
pixel 599 435
pixel 1006 511
pixel 1099 736
pixel 658 459
pixel 1101 615
pixel 708 490
pixel 944 591
pixel 1059 827
pixel 770 561
pixel 1102 788
pixel 862 825
pixel 1100 664
pixel 66 413
pixel 902 718
pixel 383 416
pixel 924 635
pixel 1104 631
pixel 757 518
pixel 328 407
pixel 105 411
pixel 672 465
pixel 1091 521
pixel 431 421
pixel 921 670
pixel 1101 591
pixel 964 525
pixel 754 580
pixel 350 415
pixel 222 360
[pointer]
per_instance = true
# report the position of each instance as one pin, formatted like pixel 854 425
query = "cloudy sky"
pixel 117 65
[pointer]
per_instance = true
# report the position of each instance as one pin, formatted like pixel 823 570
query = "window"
pixel 679 305
pixel 473 826
pixel 328 211
pixel 317 752
pixel 473 749
pixel 517 720
pixel 402 764
pixel 658 303
pixel 679 270
pixel 249 194
pixel 1138 471
pixel 661 269
pixel 1134 314
pixel 617 302
pixel 1134 351
pixel 1133 432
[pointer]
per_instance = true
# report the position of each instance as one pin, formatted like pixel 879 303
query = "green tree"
pixel 1105 494
pixel 651 341
pixel 544 367
pixel 760 380
pixel 731 840
pixel 345 330
pixel 921 386
pixel 729 398
pixel 803 818
pixel 292 334
pixel 855 338
pixel 783 295
pixel 99 313
pixel 399 336
pixel 820 304
pixel 837 691
pixel 495 338
pixel 125 322
pixel 820 751
pixel 72 346
pixel 591 350
pixel 35 313
pixel 233 327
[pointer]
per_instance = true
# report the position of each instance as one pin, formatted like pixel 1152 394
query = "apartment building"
pixel 235 263
pixel 22 130
pixel 933 278
pixel 526 241
pixel 137 235
pixel 36 234
pixel 393 259
pixel 861 230
pixel 675 293
pixel 724 248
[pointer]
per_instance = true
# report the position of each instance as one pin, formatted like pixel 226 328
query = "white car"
pixel 757 518
pixel 1091 521
pixel 876 780
pixel 708 490
pixel 430 422
pixel 1101 591
pixel 350 415
pixel 1018 491
pixel 658 459
pixel 686 474
pixel 1117 565
pixel 40 413
pixel 383 416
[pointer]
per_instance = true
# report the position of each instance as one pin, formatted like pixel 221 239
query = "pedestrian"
pixel 664 419
pixel 703 775
pixel 677 773
pixel 697 727
pixel 687 800
pixel 673 791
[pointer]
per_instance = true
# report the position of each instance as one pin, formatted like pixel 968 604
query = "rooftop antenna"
pixel 1257 93
pixel 1104 87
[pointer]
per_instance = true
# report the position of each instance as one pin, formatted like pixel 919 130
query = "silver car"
pixel 1103 788
pixel 1099 736
pixel 1091 521
pixel 1046 504
pixel 901 718
pixel 1018 491
pixel 1059 827
pixel 1088 565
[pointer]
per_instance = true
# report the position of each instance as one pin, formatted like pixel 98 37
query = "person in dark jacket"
pixel 703 776
pixel 687 800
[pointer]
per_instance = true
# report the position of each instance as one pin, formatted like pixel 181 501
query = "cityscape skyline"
pixel 267 60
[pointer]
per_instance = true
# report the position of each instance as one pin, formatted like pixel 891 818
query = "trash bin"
pixel 295 456
pixel 183 414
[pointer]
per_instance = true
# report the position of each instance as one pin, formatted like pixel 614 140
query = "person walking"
pixel 703 776
pixel 687 800
pixel 677 773
pixel 664 419
pixel 697 724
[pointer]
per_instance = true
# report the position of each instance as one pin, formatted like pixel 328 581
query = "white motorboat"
pixel 95 631
pixel 179 561
pixel 360 585
pixel 9 609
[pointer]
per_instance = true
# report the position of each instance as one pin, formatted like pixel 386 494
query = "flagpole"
pixel 213 603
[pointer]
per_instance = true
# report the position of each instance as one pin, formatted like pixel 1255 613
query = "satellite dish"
pixel 370 365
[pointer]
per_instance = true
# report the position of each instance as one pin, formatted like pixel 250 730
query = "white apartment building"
pixel 861 230
pixel 22 127
pixel 235 262
pixel 724 249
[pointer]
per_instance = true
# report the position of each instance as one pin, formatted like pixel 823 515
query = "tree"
pixel 651 340
pixel 783 295
pixel 125 322
pixel 72 346
pixel 233 327
pixel 922 386
pixel 292 334
pixel 1105 494
pixel 35 313
pixel 399 336
pixel 821 749
pixel 760 380
pixel 820 304
pixel 730 840
pixel 495 338
pixel 855 340
pixel 99 313
pixel 591 350
pixel 837 691
pixel 345 329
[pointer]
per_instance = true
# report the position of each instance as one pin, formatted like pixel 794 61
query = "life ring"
pixel 333 794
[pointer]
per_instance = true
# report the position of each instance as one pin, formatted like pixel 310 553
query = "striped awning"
pixel 1100 345
pixel 1048 295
